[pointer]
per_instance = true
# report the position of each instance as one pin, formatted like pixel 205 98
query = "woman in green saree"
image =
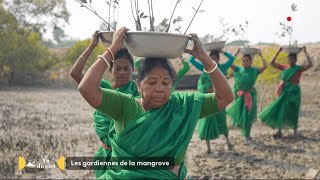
pixel 243 111
pixel 121 71
pixel 283 112
pixel 160 123
pixel 212 127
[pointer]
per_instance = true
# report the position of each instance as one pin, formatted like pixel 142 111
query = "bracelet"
pixel 82 57
pixel 112 55
pixel 213 68
pixel 105 60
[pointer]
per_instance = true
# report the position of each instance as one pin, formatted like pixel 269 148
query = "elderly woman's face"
pixel 155 88
pixel 121 71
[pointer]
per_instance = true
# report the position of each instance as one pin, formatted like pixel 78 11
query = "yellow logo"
pixel 60 163
pixel 21 163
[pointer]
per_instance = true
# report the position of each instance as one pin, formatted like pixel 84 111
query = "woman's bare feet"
pixel 277 135
pixel 208 146
pixel 248 140
pixel 229 146
pixel 295 133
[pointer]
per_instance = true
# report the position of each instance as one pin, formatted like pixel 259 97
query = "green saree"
pixel 163 132
pixel 204 83
pixel 181 73
pixel 283 112
pixel 244 114
pixel 211 127
pixel 103 123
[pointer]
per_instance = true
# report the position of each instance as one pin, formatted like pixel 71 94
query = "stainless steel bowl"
pixel 156 44
pixel 214 45
pixel 106 37
pixel 248 50
pixel 291 49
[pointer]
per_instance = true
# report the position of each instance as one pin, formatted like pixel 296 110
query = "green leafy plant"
pixel 167 30
pixel 287 29
pixel 137 14
pixel 151 17
pixel 195 13
pixel 165 24
pixel 225 29
pixel 112 6
pixel 241 32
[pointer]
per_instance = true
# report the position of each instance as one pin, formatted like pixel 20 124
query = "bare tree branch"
pixel 193 16
pixel 95 13
pixel 151 18
pixel 167 30
pixel 109 14
pixel 132 11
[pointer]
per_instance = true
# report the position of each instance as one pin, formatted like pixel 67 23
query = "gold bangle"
pixel 112 55
pixel 213 67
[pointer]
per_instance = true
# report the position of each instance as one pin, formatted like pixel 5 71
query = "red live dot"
pixel 289 18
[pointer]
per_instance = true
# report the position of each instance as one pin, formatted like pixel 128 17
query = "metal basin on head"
pixel 218 45
pixel 156 44
pixel 106 37
pixel 248 50
pixel 291 49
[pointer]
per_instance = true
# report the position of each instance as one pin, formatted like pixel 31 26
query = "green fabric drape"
pixel 181 73
pixel 163 132
pixel 103 123
pixel 204 83
pixel 245 79
pixel 283 112
pixel 211 127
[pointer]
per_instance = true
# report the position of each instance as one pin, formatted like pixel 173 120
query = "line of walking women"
pixel 282 113
pixel 147 118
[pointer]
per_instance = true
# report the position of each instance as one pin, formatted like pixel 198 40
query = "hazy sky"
pixel 263 16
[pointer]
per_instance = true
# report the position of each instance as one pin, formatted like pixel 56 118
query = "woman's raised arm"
pixel 221 87
pixel 265 65
pixel 309 65
pixel 77 68
pixel 273 63
pixel 89 86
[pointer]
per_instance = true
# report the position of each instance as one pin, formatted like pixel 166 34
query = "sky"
pixel 263 16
